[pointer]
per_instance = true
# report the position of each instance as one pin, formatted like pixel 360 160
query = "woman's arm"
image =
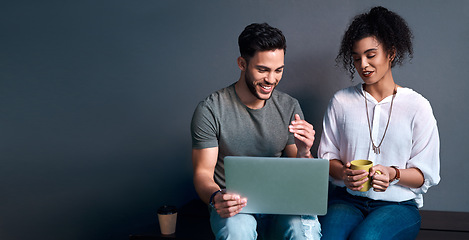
pixel 411 177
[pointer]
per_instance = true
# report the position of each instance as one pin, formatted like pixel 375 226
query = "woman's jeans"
pixel 353 217
pixel 249 226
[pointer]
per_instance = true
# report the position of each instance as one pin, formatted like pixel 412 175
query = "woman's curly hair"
pixel 390 30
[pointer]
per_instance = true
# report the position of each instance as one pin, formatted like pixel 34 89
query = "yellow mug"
pixel 363 165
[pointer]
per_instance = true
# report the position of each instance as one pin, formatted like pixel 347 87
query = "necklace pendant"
pixel 376 149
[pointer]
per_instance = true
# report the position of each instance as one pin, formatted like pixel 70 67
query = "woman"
pixel 378 120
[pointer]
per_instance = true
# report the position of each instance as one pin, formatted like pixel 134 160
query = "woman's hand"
pixel 354 179
pixel 380 176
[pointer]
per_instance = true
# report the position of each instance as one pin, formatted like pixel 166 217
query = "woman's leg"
pixel 390 221
pixel 341 219
pixel 344 213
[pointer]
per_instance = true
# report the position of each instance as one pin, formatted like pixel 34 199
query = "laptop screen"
pixel 296 186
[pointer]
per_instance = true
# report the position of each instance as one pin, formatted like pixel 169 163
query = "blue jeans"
pixel 353 217
pixel 267 226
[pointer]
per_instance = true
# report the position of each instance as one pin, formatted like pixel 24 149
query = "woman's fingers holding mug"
pixel 354 179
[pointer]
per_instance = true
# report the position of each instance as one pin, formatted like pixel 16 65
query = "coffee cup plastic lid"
pixel 167 209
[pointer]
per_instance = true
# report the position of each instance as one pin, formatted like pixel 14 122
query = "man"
pixel 249 118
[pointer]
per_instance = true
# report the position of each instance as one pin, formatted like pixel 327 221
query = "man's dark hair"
pixel 390 30
pixel 260 37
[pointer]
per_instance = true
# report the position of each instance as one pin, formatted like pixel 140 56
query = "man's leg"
pixel 294 227
pixel 241 226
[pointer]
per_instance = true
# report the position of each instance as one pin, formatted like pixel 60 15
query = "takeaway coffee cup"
pixel 167 216
pixel 363 165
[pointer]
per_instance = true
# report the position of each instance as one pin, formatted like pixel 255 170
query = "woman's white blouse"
pixel 411 140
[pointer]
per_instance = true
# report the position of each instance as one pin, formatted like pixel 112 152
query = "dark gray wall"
pixel 96 99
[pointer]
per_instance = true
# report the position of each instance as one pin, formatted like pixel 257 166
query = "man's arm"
pixel 290 150
pixel 204 162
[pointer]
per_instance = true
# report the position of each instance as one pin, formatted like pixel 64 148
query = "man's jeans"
pixel 266 226
pixel 352 217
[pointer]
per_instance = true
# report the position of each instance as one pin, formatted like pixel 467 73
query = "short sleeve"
pixel 204 128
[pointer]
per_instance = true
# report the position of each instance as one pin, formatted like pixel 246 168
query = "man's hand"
pixel 304 136
pixel 228 205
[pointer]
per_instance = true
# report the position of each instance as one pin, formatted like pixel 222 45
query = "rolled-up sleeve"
pixel 425 153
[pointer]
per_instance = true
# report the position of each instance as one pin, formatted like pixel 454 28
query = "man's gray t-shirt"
pixel 223 121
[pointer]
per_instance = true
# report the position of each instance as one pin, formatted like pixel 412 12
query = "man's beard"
pixel 252 87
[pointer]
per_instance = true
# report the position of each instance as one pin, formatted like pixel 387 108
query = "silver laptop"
pixel 296 186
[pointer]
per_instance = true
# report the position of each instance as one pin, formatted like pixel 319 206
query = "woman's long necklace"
pixel 377 149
